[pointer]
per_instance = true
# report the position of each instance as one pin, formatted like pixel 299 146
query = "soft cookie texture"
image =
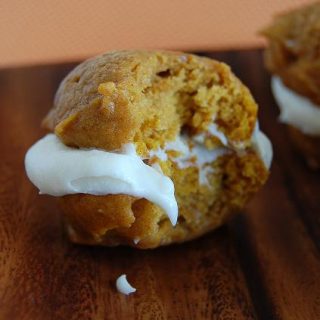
pixel 293 54
pixel 150 99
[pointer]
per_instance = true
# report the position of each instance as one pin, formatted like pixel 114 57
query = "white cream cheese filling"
pixel 214 131
pixel 196 155
pixel 295 109
pixel 262 145
pixel 58 170
pixel 123 286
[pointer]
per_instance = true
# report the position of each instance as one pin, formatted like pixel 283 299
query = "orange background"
pixel 36 31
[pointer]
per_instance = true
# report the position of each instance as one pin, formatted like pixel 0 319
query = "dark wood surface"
pixel 264 265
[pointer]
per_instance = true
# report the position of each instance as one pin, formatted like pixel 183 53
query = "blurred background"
pixel 40 32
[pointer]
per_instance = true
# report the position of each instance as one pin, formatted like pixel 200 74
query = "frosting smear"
pixel 295 109
pixel 57 170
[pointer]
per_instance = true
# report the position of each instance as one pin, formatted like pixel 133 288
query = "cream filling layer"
pixel 197 155
pixel 295 109
pixel 262 145
pixel 194 155
pixel 58 170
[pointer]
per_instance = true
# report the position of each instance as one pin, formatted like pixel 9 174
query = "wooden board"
pixel 264 265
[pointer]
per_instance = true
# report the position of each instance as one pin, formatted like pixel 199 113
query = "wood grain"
pixel 264 265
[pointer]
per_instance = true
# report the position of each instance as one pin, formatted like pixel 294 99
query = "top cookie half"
pixel 118 97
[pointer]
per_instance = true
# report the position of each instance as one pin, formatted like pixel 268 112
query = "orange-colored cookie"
pixel 293 54
pixel 151 98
